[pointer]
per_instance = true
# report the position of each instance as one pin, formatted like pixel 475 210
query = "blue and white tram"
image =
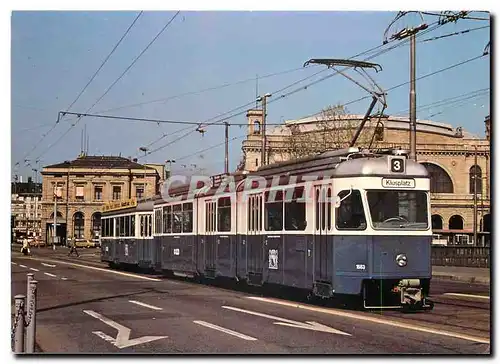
pixel 127 234
pixel 342 222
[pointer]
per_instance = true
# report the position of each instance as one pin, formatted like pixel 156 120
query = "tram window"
pixel 121 227
pixel 161 221
pixel 249 213
pixel 132 225
pixel 274 211
pixel 224 214
pixel 112 227
pixel 103 227
pixel 317 209
pixel 295 211
pixel 329 208
pixel 177 219
pixel 142 232
pixel 398 209
pixel 187 220
pixel 350 214
pixel 127 226
pixel 323 209
pixel 167 219
pixel 158 224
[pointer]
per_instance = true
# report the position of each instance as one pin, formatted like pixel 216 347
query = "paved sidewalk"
pixel 462 274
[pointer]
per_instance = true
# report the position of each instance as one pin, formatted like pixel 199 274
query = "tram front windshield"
pixel 398 209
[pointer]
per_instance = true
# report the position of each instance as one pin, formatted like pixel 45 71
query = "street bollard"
pixel 31 276
pixel 19 324
pixel 31 318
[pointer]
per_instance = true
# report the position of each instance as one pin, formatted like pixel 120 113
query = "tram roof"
pixel 131 205
pixel 349 162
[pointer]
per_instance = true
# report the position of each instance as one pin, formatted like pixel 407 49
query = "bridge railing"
pixel 460 256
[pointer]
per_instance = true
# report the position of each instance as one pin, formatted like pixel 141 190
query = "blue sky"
pixel 54 54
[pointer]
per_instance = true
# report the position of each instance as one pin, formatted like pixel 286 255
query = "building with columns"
pixel 78 189
pixel 458 162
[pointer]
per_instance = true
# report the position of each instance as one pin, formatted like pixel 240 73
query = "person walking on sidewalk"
pixel 72 243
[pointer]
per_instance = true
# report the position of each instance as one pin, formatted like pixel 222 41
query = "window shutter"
pixel 58 191
pixel 79 191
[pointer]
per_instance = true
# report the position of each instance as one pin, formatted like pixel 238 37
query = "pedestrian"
pixel 26 247
pixel 72 242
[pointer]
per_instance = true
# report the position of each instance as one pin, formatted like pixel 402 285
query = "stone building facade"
pixel 454 158
pixel 83 185
pixel 26 211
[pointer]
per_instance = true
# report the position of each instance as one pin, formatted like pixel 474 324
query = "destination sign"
pixel 118 205
pixel 398 183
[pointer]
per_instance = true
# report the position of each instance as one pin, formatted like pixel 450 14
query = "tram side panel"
pixel 350 262
pixel 226 241
pixel 275 253
pixel 107 250
pixel 226 255
pixel 296 261
pixel 127 251
pixel 156 253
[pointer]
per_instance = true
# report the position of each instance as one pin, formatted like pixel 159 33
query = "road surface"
pixel 83 307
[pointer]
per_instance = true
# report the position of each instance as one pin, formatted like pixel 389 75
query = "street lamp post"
pixel 226 148
pixel 264 141
pixel 54 235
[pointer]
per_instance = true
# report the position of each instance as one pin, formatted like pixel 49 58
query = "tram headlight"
pixel 402 260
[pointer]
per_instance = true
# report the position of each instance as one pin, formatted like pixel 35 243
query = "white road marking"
pixel 146 305
pixel 48 265
pixel 34 269
pixel 310 325
pixel 23 266
pixel 13 263
pixel 227 331
pixel 106 270
pixel 466 295
pixel 373 320
pixel 122 338
pixel 64 278
pixel 50 274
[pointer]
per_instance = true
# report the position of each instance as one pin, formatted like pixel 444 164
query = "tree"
pixel 333 129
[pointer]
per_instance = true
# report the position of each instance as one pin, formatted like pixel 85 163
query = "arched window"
pixel 486 223
pixel 440 180
pixel 456 222
pixel 78 225
pixel 96 224
pixel 475 176
pixel 59 215
pixel 256 127
pixel 437 222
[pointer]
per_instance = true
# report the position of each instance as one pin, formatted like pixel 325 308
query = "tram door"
pixel 323 252
pixel 255 240
pixel 210 246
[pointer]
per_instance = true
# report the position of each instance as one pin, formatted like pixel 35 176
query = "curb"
pixel 465 279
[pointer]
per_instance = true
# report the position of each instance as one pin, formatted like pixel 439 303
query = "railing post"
pixel 31 313
pixel 19 323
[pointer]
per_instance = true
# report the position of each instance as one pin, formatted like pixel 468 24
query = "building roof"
pixel 101 162
pixel 310 123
